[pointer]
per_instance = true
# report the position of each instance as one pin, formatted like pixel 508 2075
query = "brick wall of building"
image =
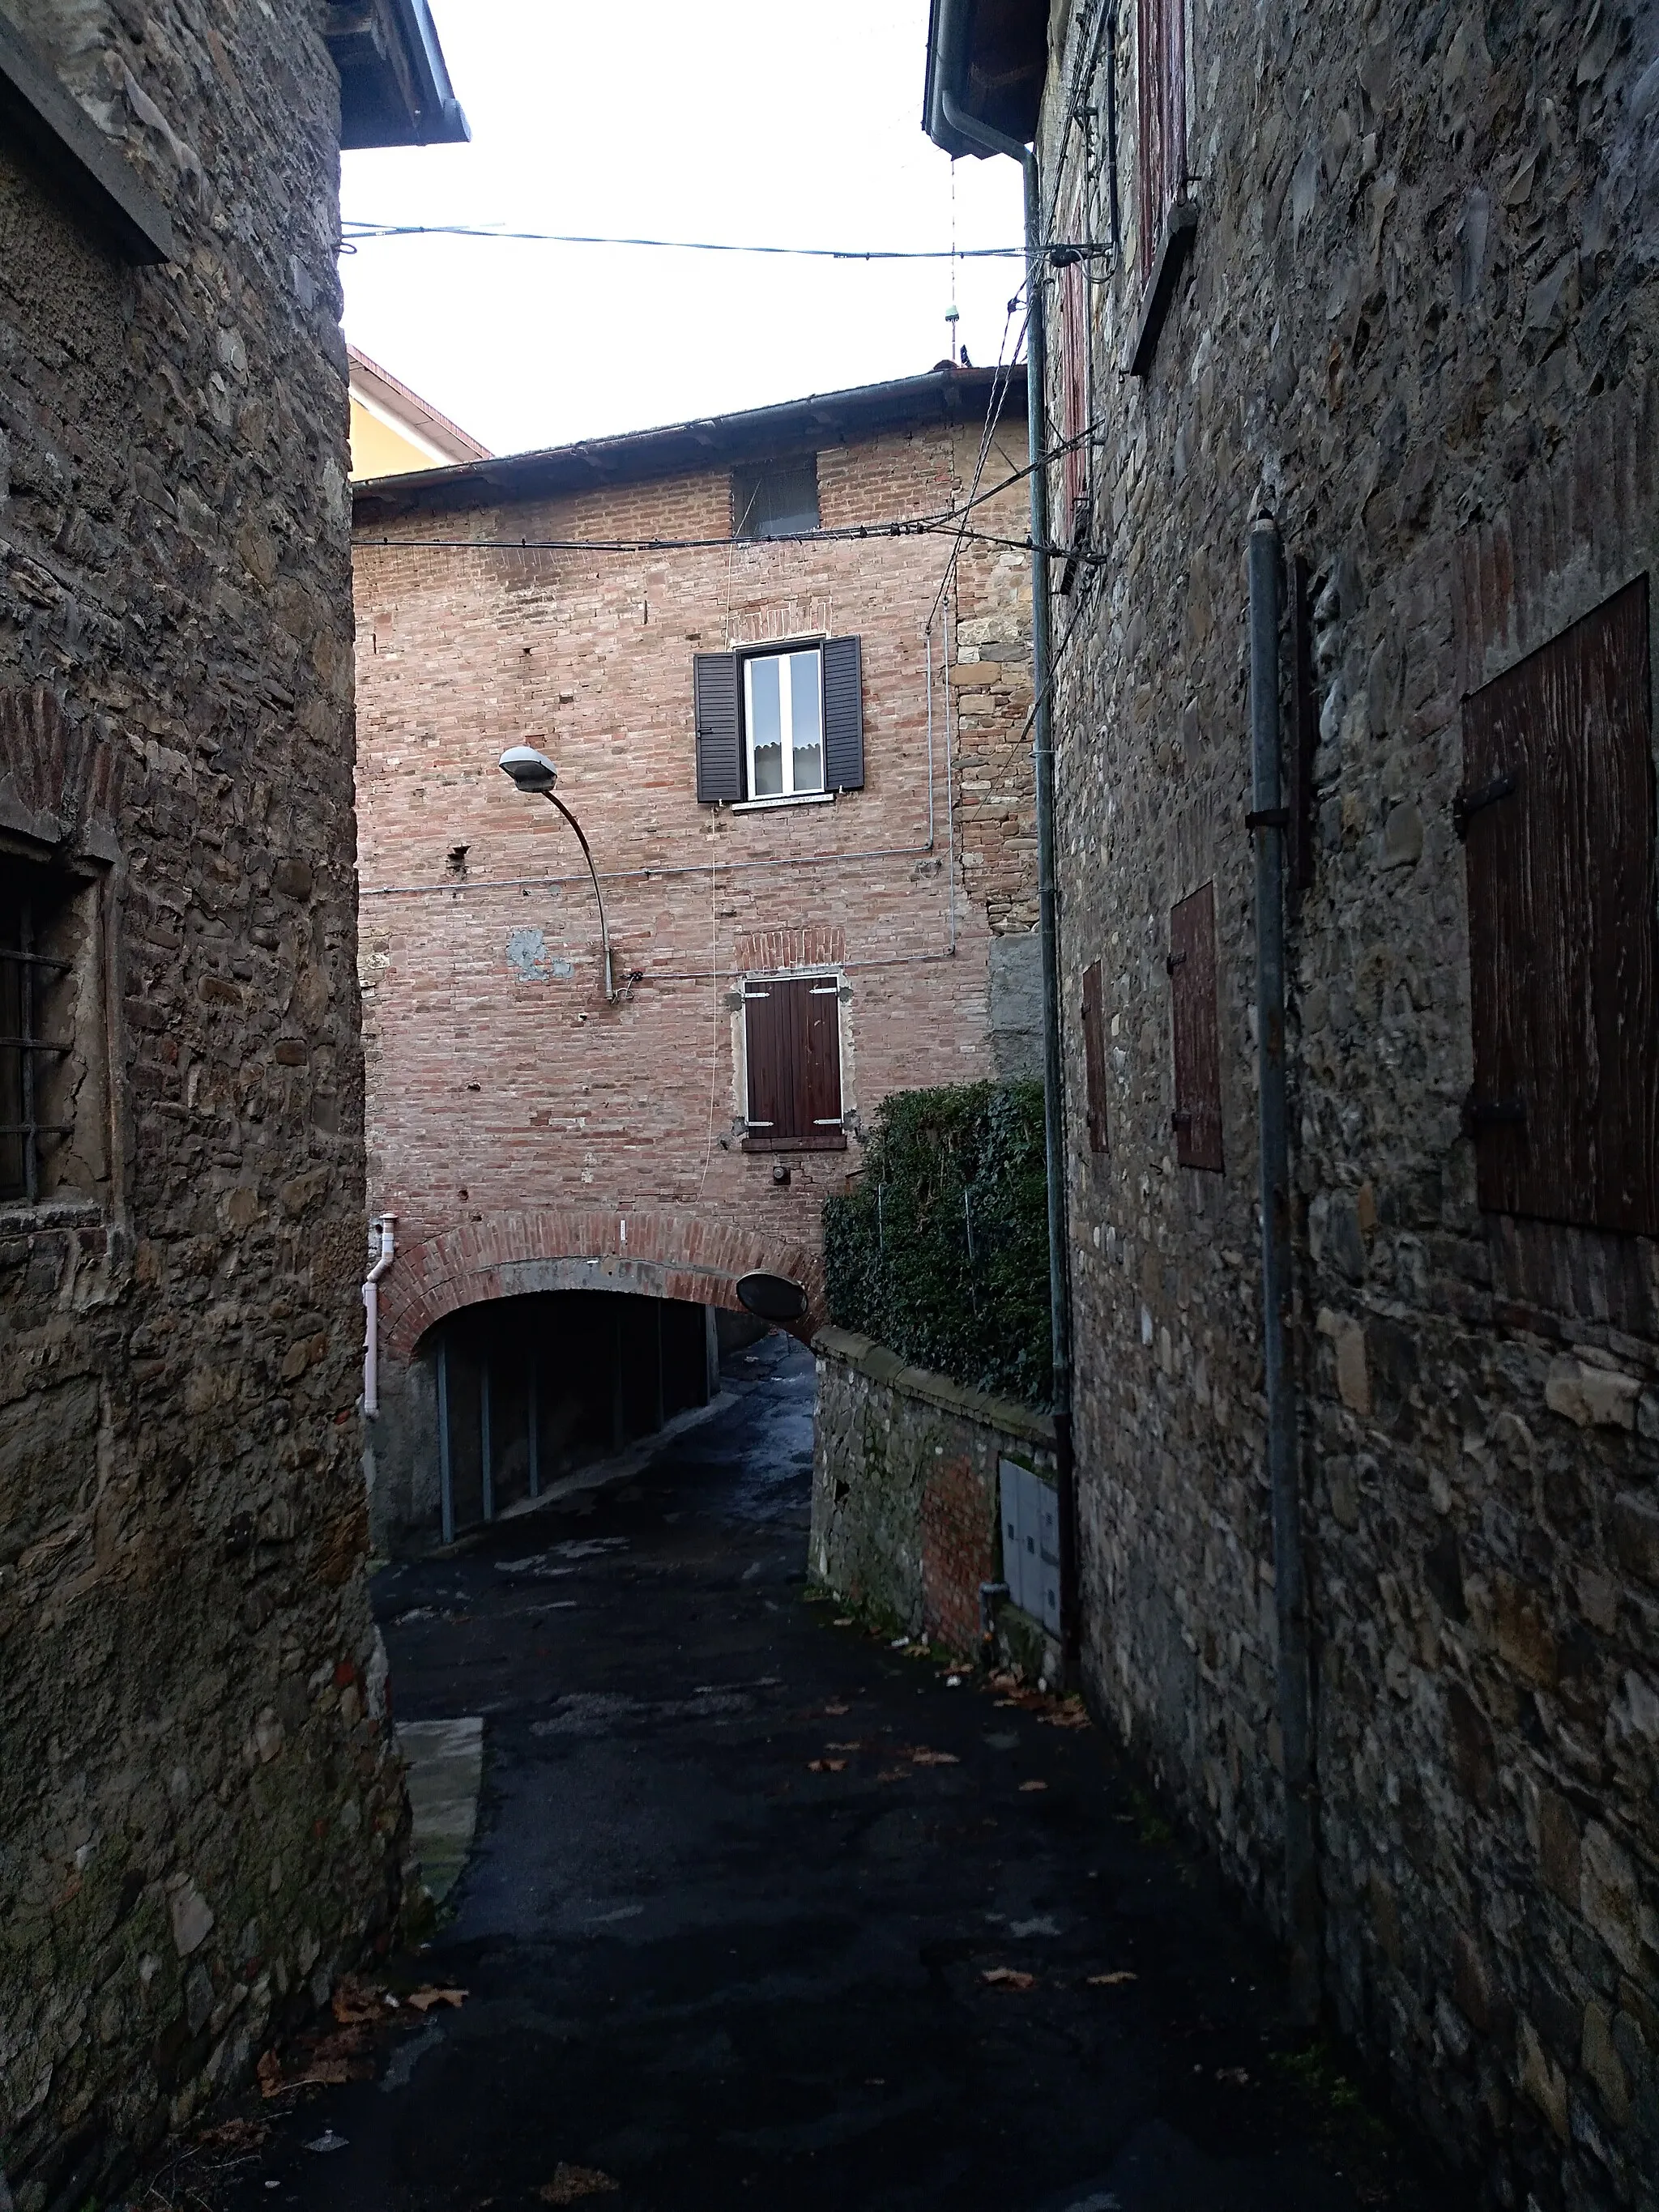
pixel 199 1816
pixel 1418 327
pixel 503 1089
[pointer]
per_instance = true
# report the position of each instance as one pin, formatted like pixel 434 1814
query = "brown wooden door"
pixel 1197 1036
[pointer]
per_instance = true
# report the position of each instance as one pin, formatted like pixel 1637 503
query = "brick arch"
pixel 666 1255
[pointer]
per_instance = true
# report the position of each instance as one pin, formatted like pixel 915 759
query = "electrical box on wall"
pixel 1031 1542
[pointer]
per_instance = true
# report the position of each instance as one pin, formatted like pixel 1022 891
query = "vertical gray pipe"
pixel 1053 1097
pixel 1267 823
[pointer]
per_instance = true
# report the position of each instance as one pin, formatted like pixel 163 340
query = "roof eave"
pixel 395 89
pixel 987 60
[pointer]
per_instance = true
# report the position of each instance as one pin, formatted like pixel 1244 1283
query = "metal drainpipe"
pixel 1060 1303
pixel 1267 822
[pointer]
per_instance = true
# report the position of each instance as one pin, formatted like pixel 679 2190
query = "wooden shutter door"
pixel 1161 167
pixel 792 1041
pixel 1074 391
pixel 843 715
pixel 820 1062
pixel 1557 814
pixel 1094 1055
pixel 1197 1034
pixel 720 738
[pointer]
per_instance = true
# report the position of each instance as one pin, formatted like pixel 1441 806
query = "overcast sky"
pixel 787 122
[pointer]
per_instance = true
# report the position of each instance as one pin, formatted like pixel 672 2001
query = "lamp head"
pixel 532 771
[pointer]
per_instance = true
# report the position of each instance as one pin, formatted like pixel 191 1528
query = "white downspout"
pixel 386 1227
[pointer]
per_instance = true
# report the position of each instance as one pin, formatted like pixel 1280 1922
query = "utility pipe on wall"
pixel 385 1229
pixel 1060 1306
pixel 1267 820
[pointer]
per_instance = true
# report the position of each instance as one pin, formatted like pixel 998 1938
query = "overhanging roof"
pixel 758 433
pixel 394 82
pixel 990 57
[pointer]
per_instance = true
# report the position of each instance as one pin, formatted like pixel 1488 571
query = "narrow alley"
pixel 764 1911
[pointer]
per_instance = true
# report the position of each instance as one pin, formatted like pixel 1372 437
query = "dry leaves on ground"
pixel 1110 1981
pixel 424 2000
pixel 570 2183
pixel 1074 1714
pixel 241 2138
pixel 826 1765
pixel 1008 1977
pixel 1034 1785
pixel 269 2074
pixel 357 2004
pixel 920 1756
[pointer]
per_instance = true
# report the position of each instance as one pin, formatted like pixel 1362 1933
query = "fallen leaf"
pixel 825 1766
pixel 922 1757
pixel 854 1745
pixel 894 1774
pixel 1034 1785
pixel 331 2073
pixel 424 2000
pixel 836 1712
pixel 269 2072
pixel 1008 1977
pixel 570 2183
pixel 1110 1981
pixel 1238 2075
pixel 1073 1715
pixel 240 2137
pixel 1003 1703
pixel 842 1620
pixel 353 2004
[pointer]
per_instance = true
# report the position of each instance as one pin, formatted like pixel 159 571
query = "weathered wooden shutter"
pixel 1161 165
pixel 1074 387
pixel 843 715
pixel 792 1042
pixel 1557 813
pixel 719 732
pixel 1197 1036
pixel 1094 1055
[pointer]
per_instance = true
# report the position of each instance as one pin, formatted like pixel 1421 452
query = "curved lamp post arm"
pixel 605 932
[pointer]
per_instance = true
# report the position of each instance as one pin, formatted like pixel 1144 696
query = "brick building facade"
pixel 200 1818
pixel 533 1140
pixel 1384 277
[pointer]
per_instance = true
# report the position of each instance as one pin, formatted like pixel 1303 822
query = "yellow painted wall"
pixel 377 450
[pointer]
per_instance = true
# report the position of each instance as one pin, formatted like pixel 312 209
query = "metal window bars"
pixel 23 969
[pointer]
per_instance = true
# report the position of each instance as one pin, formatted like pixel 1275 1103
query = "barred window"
pixel 53 1136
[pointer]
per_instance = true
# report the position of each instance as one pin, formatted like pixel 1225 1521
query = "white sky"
pixel 793 122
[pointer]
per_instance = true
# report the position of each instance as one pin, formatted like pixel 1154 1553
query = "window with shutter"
pixel 791 1046
pixel 720 727
pixel 1197 1115
pixel 1166 218
pixel 1074 387
pixel 1556 816
pixel 1094 1055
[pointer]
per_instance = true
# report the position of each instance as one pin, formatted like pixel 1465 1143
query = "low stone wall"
pixel 904 1486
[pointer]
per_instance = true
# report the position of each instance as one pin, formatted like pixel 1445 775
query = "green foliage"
pixel 940 1251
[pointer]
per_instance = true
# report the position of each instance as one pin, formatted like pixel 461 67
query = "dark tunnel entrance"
pixel 530 1390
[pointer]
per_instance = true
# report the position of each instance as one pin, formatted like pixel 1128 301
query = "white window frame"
pixel 786 721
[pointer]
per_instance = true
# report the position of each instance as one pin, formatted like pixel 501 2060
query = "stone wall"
pixel 512 1109
pixel 905 1517
pixel 199 1813
pixel 1417 326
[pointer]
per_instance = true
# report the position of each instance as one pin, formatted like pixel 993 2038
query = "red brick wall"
pixel 494 1092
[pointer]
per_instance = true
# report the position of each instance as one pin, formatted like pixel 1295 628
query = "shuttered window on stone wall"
pixel 1161 165
pixel 718 695
pixel 1197 1037
pixel 1557 815
pixel 792 1045
pixel 1094 1055
pixel 1073 288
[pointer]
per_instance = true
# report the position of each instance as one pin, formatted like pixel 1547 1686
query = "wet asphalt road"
pixel 699 1968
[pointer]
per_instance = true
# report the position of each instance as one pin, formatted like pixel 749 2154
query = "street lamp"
pixel 536 776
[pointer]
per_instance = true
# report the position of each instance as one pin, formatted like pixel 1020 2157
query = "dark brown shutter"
pixel 843 715
pixel 1074 388
pixel 1094 1055
pixel 1557 813
pixel 1197 1036
pixel 792 1042
pixel 1161 165
pixel 719 735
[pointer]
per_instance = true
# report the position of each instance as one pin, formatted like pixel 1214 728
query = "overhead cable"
pixel 353 233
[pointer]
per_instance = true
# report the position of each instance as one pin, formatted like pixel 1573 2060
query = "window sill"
pixel 1174 247
pixel 788 799
pixel 832 1141
pixel 18 1217
pixel 39 115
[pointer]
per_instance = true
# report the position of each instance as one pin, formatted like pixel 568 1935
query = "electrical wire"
pixel 355 232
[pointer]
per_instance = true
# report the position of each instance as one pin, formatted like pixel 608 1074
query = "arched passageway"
pixel 528 1390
